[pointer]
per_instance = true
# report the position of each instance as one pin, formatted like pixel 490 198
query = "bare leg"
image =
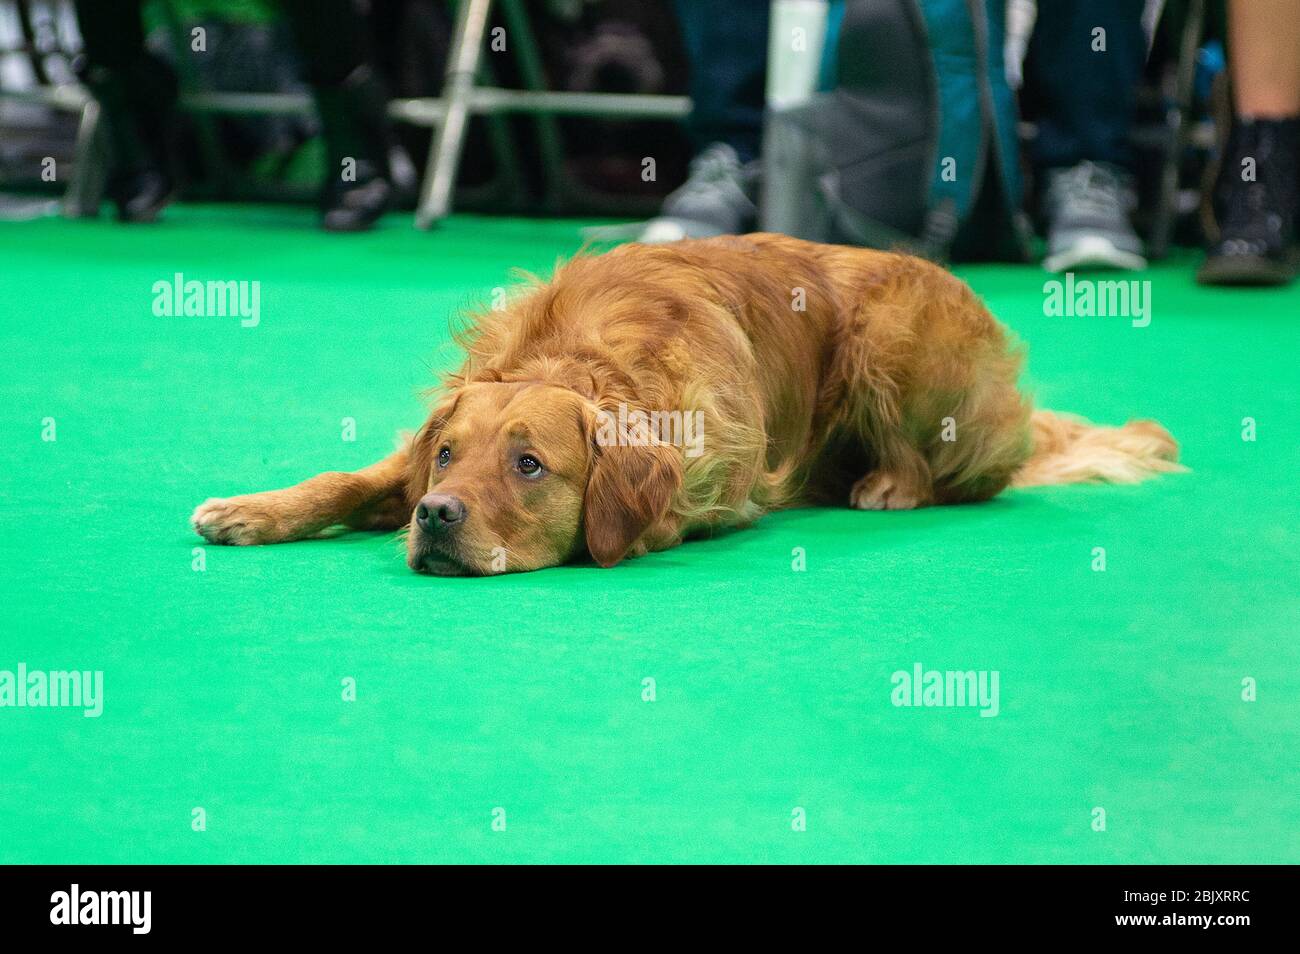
pixel 1265 40
pixel 373 498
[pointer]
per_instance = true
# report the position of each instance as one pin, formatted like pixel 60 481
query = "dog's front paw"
pixel 241 521
pixel 880 490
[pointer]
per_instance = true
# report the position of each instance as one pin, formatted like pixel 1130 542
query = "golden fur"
pixel 822 374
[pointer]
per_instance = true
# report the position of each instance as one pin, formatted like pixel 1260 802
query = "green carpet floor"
pixel 1119 690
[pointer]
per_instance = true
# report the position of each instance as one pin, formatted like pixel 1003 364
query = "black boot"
pixel 354 120
pixel 1256 214
pixel 138 113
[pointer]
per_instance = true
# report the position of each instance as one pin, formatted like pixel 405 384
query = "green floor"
pixel 1119 689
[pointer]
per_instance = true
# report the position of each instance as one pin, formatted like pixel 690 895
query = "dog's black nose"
pixel 437 512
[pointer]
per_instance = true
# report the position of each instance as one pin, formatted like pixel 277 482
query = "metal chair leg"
pixel 1179 125
pixel 86 187
pixel 209 139
pixel 449 137
pixel 550 143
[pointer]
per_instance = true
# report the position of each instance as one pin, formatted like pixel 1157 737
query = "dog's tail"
pixel 1068 450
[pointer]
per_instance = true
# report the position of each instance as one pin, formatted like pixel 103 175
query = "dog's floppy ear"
pixel 630 488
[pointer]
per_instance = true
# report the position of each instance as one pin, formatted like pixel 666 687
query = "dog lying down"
pixel 660 391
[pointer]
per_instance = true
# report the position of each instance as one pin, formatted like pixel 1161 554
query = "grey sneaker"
pixel 1088 225
pixel 714 200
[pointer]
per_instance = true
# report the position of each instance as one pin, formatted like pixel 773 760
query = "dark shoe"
pixel 354 121
pixel 138 114
pixel 357 206
pixel 1255 206
pixel 141 196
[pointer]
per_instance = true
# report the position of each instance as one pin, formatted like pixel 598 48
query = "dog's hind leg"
pixel 373 498
pixel 900 481
pixel 925 381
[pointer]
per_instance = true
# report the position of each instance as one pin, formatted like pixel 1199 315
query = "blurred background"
pixel 1091 133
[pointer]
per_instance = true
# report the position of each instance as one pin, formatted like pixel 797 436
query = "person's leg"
pixel 137 95
pixel 334 40
pixel 726 44
pixel 1265 67
pixel 112 33
pixel 1255 193
pixel 1084 64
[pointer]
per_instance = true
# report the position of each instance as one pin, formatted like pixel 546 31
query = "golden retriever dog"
pixel 658 392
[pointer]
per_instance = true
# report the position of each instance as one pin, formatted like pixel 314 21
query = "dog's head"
pixel 511 476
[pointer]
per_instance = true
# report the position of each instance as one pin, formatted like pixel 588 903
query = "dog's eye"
pixel 529 466
pixel 444 457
